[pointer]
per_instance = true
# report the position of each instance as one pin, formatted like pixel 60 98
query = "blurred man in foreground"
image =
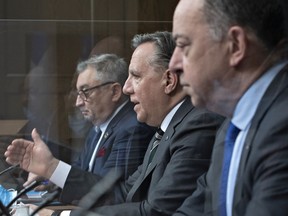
pixel 230 62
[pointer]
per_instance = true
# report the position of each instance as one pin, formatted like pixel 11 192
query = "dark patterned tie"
pixel 157 137
pixel 231 136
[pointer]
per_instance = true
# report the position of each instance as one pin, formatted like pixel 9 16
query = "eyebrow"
pixel 82 87
pixel 133 72
pixel 177 36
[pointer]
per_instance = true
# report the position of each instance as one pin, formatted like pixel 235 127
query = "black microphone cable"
pixel 9 169
pixel 23 191
pixel 4 209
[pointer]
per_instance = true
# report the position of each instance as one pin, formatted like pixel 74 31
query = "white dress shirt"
pixel 165 123
pixel 62 170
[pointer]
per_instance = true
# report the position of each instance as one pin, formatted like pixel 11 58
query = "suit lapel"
pixel 276 87
pixel 142 176
pixel 110 128
pixel 162 148
pixel 163 145
pixel 157 157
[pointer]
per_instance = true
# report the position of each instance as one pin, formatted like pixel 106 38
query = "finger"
pixel 14 152
pixel 17 147
pixel 19 152
pixel 36 136
pixel 32 206
pixel 25 184
pixel 31 177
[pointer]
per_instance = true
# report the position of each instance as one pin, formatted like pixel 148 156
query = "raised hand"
pixel 33 156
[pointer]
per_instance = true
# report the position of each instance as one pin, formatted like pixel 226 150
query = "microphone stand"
pixel 9 169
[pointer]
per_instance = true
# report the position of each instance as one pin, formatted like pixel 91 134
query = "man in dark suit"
pixel 123 140
pixel 122 146
pixel 248 83
pixel 162 182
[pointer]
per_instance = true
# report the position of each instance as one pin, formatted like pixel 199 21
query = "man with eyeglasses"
pixel 117 139
pixel 101 101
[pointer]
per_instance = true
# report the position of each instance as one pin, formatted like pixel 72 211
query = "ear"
pixel 237 45
pixel 171 80
pixel 116 89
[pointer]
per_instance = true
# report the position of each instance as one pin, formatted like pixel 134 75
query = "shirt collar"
pixel 165 123
pixel 247 105
pixel 105 124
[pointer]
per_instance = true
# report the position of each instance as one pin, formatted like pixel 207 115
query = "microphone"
pixel 4 209
pixel 9 169
pixel 98 190
pixel 23 191
pixel 48 200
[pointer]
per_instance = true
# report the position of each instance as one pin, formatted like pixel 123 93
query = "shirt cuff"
pixel 60 174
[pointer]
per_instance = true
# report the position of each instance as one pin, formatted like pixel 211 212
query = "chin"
pixel 139 118
pixel 88 118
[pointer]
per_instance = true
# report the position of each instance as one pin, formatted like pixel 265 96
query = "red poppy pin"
pixel 101 152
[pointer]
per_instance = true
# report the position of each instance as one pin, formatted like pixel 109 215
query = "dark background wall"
pixel 41 43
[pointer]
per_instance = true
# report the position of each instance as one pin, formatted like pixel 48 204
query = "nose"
pixel 127 88
pixel 175 63
pixel 79 101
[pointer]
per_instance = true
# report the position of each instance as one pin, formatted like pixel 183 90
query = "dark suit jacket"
pixel 262 182
pixel 182 156
pixel 122 146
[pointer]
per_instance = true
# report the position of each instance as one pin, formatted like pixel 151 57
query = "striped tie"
pixel 158 136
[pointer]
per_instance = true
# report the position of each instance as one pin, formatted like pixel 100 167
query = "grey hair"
pixel 265 18
pixel 164 43
pixel 109 67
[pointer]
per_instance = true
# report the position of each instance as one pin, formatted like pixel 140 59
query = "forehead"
pixel 188 6
pixel 187 14
pixel 86 77
pixel 142 56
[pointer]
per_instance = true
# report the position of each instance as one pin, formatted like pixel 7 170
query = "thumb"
pixel 36 136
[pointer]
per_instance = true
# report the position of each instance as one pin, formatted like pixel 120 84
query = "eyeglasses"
pixel 84 93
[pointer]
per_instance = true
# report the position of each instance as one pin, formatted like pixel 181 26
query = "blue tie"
pixel 231 136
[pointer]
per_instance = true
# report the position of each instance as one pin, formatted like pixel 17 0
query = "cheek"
pixel 92 109
pixel 146 100
pixel 196 65
pixel 190 70
pixel 94 106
